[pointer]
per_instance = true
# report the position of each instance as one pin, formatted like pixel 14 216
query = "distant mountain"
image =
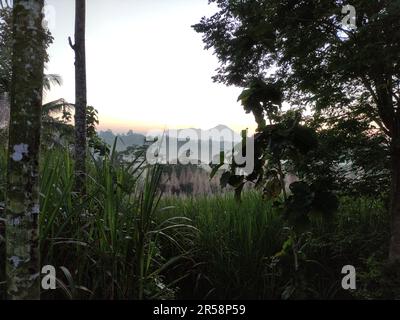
pixel 210 138
pixel 213 134
pixel 222 127
pixel 124 141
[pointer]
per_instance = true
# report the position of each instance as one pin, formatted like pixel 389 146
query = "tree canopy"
pixel 304 44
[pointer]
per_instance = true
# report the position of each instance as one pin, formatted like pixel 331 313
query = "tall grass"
pixel 235 251
pixel 105 245
pixel 124 240
pixel 233 243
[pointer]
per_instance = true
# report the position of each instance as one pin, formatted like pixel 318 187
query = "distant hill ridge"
pixel 132 138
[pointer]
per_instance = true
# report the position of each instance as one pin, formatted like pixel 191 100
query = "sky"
pixel 146 67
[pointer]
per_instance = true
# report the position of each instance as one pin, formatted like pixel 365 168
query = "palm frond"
pixel 57 106
pixel 51 79
pixel 58 126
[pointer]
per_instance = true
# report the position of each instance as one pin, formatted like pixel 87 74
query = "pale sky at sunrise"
pixel 146 66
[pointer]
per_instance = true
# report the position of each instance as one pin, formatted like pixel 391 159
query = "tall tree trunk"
pixel 22 198
pixel 80 95
pixel 394 253
pixel 4 120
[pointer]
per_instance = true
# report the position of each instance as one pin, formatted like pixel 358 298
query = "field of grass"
pixel 126 241
pixel 236 250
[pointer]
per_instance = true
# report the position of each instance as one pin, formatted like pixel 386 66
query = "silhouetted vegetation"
pixel 324 192
pixel 204 247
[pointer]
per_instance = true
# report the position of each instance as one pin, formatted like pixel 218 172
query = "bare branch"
pixel 70 43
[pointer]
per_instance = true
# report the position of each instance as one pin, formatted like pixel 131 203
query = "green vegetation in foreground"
pixel 235 251
pixel 126 242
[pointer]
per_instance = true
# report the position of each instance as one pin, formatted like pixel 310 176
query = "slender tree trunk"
pixel 80 95
pixel 4 120
pixel 22 199
pixel 394 253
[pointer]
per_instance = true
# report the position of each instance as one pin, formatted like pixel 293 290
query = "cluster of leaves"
pixel 262 99
pixel 353 156
pixel 6 42
pixel 316 62
pixel 58 130
pixel 307 200
pixel 94 141
pixel 56 116
pixel 304 44
pixel 281 147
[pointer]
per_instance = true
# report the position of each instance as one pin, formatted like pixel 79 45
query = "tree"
pixel 80 94
pixel 22 200
pixel 352 157
pixel 321 63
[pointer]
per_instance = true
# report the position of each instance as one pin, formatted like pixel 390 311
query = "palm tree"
pixel 56 115
pixel 22 201
pixel 56 127
pixel 50 80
